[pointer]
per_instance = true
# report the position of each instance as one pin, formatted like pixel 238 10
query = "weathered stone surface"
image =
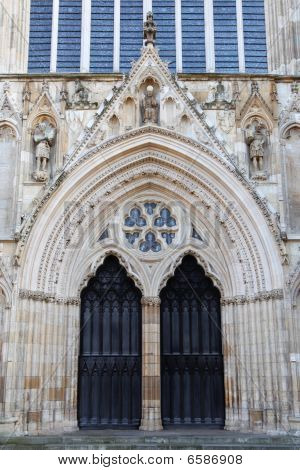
pixel 194 162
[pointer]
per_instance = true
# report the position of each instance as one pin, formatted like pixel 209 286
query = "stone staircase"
pixel 135 440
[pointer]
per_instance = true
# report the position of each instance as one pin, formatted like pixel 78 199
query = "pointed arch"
pixel 245 239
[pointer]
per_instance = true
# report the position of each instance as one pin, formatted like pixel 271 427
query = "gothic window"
pixel 255 36
pixel 131 32
pixel 164 16
pixel 102 36
pixel 40 36
pixel 193 36
pixel 226 44
pixel 150 227
pixel 69 36
pixel 123 26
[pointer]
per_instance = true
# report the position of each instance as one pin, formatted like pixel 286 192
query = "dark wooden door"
pixel 192 361
pixel 110 350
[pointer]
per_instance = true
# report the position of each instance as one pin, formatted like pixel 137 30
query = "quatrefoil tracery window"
pixel 150 227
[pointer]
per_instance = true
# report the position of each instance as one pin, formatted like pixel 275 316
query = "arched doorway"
pixel 110 350
pixel 191 349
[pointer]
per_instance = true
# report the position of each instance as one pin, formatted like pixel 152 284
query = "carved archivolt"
pixel 243 248
pixel 6 282
pixel 293 282
pixel 76 217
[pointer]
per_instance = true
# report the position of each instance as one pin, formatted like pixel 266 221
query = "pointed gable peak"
pixel 149 95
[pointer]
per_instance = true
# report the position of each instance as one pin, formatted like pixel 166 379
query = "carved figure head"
pixel 149 90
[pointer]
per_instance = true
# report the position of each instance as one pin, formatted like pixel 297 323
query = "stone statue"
pixel 149 106
pixel 256 139
pixel 43 137
pixel 149 29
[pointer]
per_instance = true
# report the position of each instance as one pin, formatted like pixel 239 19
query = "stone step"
pixel 135 441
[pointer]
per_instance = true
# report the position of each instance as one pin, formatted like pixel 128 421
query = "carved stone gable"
pixel 256 106
pixel 149 95
pixel 8 109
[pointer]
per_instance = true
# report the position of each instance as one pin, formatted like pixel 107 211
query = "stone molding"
pixel 151 301
pixel 47 297
pixel 99 261
pixel 275 294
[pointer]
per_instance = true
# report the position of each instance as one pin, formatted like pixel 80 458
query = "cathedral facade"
pixel 149 215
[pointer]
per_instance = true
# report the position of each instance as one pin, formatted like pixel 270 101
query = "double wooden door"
pixel 110 375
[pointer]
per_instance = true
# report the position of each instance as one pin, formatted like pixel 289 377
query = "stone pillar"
pixel 14 35
pixel 283 32
pixel 151 411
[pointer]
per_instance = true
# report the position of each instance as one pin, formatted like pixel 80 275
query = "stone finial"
pixel 150 29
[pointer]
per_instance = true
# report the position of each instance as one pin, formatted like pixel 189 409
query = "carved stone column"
pixel 151 410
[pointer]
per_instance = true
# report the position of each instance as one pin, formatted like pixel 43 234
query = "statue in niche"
pixel 43 137
pixel 256 139
pixel 149 106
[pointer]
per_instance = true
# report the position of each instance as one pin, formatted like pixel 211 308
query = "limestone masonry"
pixel 149 167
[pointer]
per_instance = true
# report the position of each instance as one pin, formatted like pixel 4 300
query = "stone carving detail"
pixel 275 294
pixel 46 297
pixel 80 98
pixel 218 99
pixel 292 110
pixel 150 30
pixel 150 227
pixel 7 133
pixel 226 120
pixel 149 107
pixel 151 301
pixel 256 138
pixel 44 136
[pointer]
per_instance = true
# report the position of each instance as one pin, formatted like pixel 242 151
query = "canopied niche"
pixel 129 114
pixel 256 134
pixel 114 126
pixel 8 153
pixel 186 126
pixel 44 139
pixel 43 147
pixel 149 93
pixel 169 113
pixel 292 152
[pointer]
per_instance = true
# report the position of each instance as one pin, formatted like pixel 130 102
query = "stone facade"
pixel 194 155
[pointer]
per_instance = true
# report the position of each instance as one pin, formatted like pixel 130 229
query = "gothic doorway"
pixel 191 349
pixel 110 350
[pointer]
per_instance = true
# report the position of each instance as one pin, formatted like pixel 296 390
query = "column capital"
pixel 151 301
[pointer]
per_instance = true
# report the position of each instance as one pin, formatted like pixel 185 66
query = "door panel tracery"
pixel 191 348
pixel 110 350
